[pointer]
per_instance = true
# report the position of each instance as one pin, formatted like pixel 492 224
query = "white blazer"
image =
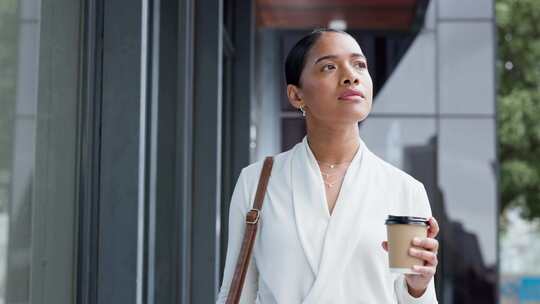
pixel 302 254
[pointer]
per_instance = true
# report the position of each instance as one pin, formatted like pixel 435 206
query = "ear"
pixel 294 95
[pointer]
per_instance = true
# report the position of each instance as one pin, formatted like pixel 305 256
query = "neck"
pixel 333 145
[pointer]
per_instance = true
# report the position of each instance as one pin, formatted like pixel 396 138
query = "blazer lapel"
pixel 309 201
pixel 343 233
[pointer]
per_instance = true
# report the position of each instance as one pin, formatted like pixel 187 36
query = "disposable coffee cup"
pixel 400 231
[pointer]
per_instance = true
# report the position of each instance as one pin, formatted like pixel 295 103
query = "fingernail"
pixel 416 241
pixel 413 251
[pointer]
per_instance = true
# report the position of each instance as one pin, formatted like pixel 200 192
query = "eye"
pixel 360 64
pixel 328 67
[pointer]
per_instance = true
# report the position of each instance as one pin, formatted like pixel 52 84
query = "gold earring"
pixel 303 110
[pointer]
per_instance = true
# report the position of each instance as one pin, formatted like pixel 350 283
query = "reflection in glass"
pixel 467 259
pixel 39 68
pixel 17 248
pixel 467 177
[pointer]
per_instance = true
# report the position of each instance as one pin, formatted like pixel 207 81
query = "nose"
pixel 349 79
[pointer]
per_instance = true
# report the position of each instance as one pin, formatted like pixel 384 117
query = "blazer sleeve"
pixel 420 206
pixel 239 206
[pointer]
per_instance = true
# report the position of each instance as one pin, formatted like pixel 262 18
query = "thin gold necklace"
pixel 326 175
pixel 332 166
pixel 331 184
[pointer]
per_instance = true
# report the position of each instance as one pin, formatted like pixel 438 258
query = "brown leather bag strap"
pixel 252 223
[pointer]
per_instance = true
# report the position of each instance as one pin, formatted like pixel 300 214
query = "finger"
pixel 427 271
pixel 433 229
pixel 385 245
pixel 429 257
pixel 426 243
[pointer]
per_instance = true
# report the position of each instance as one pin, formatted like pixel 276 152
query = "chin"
pixel 361 118
pixel 351 118
pixel 361 113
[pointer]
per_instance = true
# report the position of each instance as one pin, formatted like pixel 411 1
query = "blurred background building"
pixel 124 125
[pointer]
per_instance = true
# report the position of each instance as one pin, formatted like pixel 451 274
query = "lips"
pixel 351 94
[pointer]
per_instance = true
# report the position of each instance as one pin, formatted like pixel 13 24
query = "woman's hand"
pixel 417 283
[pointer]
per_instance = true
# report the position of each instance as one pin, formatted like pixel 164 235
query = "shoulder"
pixel 413 197
pixel 253 170
pixel 389 172
pixel 250 175
pixel 246 184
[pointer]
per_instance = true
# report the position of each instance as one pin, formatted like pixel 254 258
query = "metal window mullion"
pixel 148 149
pixel 184 167
pixel 206 155
pixel 153 82
pixel 89 155
pixel 141 195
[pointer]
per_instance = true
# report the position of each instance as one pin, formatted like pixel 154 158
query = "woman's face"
pixel 335 85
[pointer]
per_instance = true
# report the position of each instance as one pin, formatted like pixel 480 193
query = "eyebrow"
pixel 353 55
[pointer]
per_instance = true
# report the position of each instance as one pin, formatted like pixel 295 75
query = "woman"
pixel 322 225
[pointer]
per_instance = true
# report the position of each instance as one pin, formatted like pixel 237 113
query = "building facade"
pixel 124 125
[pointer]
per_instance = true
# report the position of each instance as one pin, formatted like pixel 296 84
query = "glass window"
pixel 396 140
pixel 467 178
pixel 478 9
pixel 39 69
pixel 466 68
pixel 457 172
pixel 403 94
